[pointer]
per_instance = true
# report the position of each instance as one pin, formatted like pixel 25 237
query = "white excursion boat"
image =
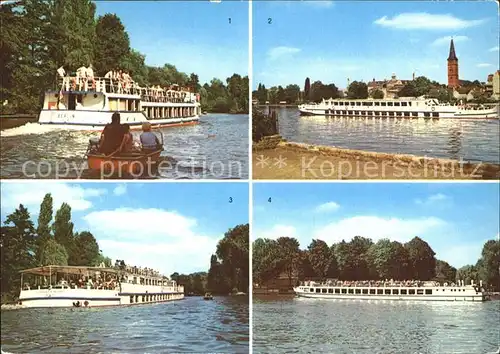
pixel 87 104
pixel 71 286
pixel 429 108
pixel 417 291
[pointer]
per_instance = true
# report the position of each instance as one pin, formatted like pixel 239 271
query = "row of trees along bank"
pixel 229 269
pixel 317 91
pixel 362 259
pixel 39 36
pixel 52 242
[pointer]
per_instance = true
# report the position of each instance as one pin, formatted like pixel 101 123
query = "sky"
pixel 170 227
pixel 455 219
pixel 333 41
pixel 195 36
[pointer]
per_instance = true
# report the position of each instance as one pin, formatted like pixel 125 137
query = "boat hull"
pixel 123 164
pixel 480 297
pixel 97 120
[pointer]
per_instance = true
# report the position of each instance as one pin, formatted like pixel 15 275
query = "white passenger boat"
pixel 87 104
pixel 69 286
pixel 428 291
pixel 429 108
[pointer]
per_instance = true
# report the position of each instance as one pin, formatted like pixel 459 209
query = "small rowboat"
pixel 208 296
pixel 134 163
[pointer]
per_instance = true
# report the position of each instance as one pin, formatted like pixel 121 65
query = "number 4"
pixel 269 200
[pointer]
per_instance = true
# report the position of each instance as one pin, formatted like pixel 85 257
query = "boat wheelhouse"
pixel 428 291
pixel 71 286
pixel 88 103
pixel 427 108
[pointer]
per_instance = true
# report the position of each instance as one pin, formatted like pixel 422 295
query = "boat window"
pixel 384 113
pixel 383 104
pixel 396 104
pixel 352 103
pixel 387 291
pixel 344 291
pixel 311 290
pixel 404 292
pixel 358 103
pixel 357 291
pixel 414 114
pixel 380 291
pixel 398 114
pixel 435 115
pixel 350 291
pixel 337 291
pixel 427 114
pixel 404 104
pixel 376 113
pixel 411 291
pixel 391 114
pixel 428 291
pixel 365 291
pixel 407 114
pixel 372 291
pixel 395 291
pixel 377 103
pixel 323 290
pixel 420 292
pixel 318 290
pixel 330 291
pixel 409 104
pixel 370 113
pixel 389 104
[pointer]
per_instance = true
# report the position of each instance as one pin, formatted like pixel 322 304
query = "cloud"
pixel 377 228
pixel 426 21
pixel 494 49
pixel 446 40
pixel 31 195
pixel 276 231
pixel 120 189
pixel 280 52
pixel 161 239
pixel 326 207
pixel 462 254
pixel 484 65
pixel 433 199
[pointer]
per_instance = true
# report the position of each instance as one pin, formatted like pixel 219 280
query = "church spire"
pixel 452 55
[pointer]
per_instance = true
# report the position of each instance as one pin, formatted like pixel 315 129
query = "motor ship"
pixel 427 108
pixel 88 103
pixel 416 291
pixel 72 286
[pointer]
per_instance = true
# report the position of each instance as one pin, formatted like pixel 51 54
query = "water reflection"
pixel 471 140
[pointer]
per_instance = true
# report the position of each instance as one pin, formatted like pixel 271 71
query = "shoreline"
pixel 275 158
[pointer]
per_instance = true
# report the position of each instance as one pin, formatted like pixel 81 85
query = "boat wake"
pixel 28 128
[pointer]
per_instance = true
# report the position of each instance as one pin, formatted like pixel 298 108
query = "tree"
pixel 320 258
pixel 357 90
pixel 307 89
pixel 289 253
pixel 85 251
pixel 377 94
pixel 489 264
pixel 422 262
pixel 266 261
pixel 408 90
pixel 112 45
pixel 44 220
pixel 445 272
pixel 53 253
pixel 467 273
pixel 63 228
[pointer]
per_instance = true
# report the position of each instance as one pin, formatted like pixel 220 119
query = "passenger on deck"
pixel 149 140
pixel 112 136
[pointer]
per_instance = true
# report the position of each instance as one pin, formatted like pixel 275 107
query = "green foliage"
pixel 53 253
pixel 263 124
pixel 307 89
pixel 421 259
pixel 320 258
pixel 357 90
pixel 194 284
pixel 319 91
pixel 38 36
pixel 377 94
pixel 489 264
pixel 86 250
pixel 445 272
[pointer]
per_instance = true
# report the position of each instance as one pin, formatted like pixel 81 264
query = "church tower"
pixel 453 80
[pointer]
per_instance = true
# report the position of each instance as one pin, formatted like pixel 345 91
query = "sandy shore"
pixel 288 160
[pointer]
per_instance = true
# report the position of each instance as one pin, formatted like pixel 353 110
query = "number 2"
pixel 269 21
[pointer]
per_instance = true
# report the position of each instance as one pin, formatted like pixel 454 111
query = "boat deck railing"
pixel 173 94
pixel 382 284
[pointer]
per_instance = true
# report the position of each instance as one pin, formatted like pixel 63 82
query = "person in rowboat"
pixel 112 136
pixel 149 140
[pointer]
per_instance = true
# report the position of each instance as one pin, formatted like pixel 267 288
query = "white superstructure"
pixel 88 103
pixel 428 108
pixel 422 292
pixel 67 286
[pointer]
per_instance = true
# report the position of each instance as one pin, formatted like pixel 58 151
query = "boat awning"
pixel 47 270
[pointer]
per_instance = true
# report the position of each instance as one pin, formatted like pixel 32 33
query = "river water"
pixel 217 148
pixel 471 140
pixel 299 325
pixel 191 325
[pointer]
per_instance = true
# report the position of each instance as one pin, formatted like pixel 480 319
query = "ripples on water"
pixel 191 325
pixel 471 140
pixel 215 148
pixel 387 327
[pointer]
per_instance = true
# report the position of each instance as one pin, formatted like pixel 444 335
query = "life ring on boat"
pixel 86 303
pixel 433 108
